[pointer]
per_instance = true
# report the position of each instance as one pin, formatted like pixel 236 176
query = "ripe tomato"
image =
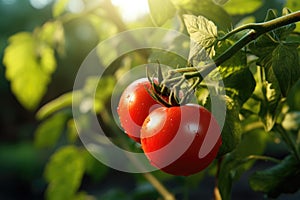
pixel 181 140
pixel 134 106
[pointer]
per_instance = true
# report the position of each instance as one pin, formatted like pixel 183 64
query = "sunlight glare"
pixel 132 9
pixel 39 4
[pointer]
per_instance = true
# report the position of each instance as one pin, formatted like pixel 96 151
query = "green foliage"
pixel 261 81
pixel 115 194
pixel 231 133
pixel 293 99
pixel 280 60
pixel 52 33
pixel 238 80
pixel 21 159
pixel 234 7
pixel 64 172
pixel 240 160
pixel 59 7
pixel 294 5
pixel 206 8
pixel 282 178
pixel 48 132
pixel 166 58
pixel 29 65
pixel 161 11
pixel 94 168
pixel 203 34
pixel 55 105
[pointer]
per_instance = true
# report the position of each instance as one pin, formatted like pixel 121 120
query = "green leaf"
pixel 203 34
pixel 291 121
pixel 231 132
pixel 270 102
pixel 72 134
pixel 29 65
pixel 206 8
pixel 285 64
pixel 294 5
pixel 279 58
pixel 240 85
pixel 282 178
pixel 166 58
pixel 104 89
pixel 64 173
pixel 293 98
pixel 52 33
pixel 161 11
pixel 59 7
pixel 237 162
pixel 94 167
pixel 55 105
pixel 220 2
pixel 48 132
pixel 236 7
pixel 238 79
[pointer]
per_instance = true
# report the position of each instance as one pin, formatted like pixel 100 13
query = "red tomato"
pixel 134 106
pixel 181 140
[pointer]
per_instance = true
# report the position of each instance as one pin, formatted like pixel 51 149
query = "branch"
pixel 159 187
pixel 256 30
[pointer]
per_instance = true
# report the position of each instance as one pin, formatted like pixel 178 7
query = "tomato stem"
pixel 159 187
pixel 255 30
pixel 265 158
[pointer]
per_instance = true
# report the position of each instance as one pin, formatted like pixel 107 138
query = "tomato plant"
pixel 250 50
pixel 134 106
pixel 181 140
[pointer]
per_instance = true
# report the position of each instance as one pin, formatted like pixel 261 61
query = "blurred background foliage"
pixel 45 158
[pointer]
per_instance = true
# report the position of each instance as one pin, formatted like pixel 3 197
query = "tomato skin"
pixel 134 106
pixel 180 140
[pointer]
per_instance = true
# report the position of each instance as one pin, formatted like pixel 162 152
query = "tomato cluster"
pixel 179 140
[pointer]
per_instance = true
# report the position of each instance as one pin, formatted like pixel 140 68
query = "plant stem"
pixel 266 26
pixel 265 158
pixel 287 138
pixel 159 187
pixel 256 30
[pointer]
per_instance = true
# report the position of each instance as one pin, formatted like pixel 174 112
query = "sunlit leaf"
pixel 104 88
pixel 49 131
pixel 72 134
pixel 60 102
pixel 291 121
pixel 52 33
pixel 64 173
pixel 220 2
pixel 166 58
pixel 59 7
pixel 29 65
pixel 294 5
pixel 203 34
pixel 161 11
pixel 234 7
pixel 206 8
